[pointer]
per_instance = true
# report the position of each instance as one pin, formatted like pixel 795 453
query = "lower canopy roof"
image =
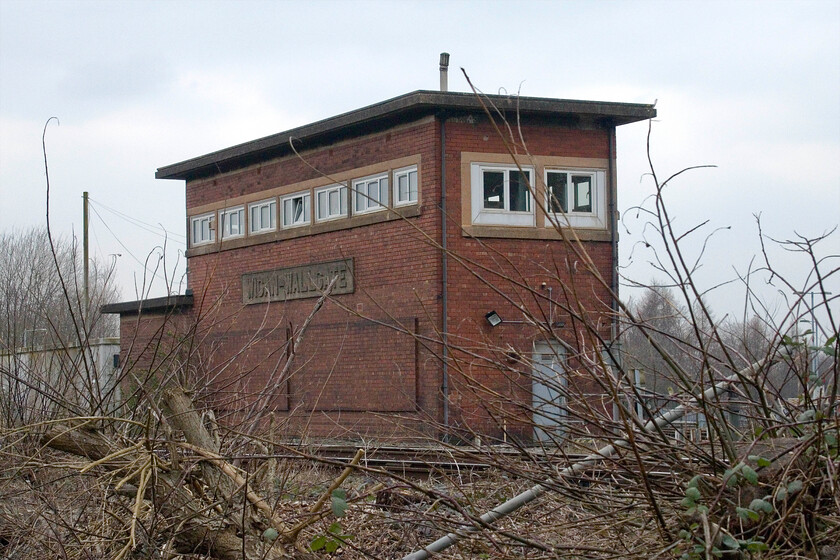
pixel 153 305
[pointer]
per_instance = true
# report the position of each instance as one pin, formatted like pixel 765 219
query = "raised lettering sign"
pixel 297 282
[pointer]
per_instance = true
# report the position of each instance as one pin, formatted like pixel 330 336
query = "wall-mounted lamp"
pixel 493 318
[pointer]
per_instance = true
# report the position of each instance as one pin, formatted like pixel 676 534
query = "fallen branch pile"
pixel 195 498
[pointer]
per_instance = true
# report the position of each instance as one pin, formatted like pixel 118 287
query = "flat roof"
pixel 399 109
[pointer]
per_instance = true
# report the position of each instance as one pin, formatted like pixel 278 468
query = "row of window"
pixel 371 194
pixel 501 196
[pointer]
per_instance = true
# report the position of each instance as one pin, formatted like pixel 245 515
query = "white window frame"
pixel 596 218
pixel 210 221
pixel 305 218
pixel 407 173
pixel 500 216
pixel 225 222
pixel 342 194
pixel 256 226
pixel 363 202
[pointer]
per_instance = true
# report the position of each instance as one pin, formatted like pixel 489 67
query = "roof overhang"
pixel 393 111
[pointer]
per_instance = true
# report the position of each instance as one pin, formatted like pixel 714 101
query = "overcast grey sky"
pixel 752 87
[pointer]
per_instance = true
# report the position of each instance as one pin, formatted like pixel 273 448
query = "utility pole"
pixel 85 249
pixel 815 352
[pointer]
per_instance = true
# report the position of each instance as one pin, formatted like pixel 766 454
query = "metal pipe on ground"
pixel 605 452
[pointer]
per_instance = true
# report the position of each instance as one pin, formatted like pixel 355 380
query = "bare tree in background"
pixel 34 308
pixel 47 362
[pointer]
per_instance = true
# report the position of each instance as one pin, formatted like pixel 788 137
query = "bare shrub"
pixel 613 475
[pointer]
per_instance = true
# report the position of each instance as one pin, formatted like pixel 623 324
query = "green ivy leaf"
pixel 749 474
pixel 757 546
pixel 729 475
pixel 335 528
pixel 331 546
pixel 759 460
pixel 828 348
pixel 687 502
pixel 794 486
pixel 746 514
pixel 339 502
pixel 693 493
pixel 729 542
pixel 761 505
pixel 695 482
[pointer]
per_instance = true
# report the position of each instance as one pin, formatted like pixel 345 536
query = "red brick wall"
pixel 154 347
pixel 352 376
pixel 347 368
pixel 487 397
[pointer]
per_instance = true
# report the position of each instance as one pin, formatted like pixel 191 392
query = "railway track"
pixel 396 459
pixel 422 460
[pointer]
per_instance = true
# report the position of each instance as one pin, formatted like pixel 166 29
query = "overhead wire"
pixel 151 271
pixel 151 228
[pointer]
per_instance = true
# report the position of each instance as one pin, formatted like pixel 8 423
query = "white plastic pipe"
pixel 535 492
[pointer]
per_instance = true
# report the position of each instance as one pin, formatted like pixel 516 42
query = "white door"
pixel 549 392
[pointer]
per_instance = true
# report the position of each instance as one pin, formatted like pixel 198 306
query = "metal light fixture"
pixel 493 318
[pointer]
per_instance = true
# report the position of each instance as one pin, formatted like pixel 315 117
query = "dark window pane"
pixel 557 192
pixel 582 185
pixel 494 188
pixel 520 195
pixel 297 210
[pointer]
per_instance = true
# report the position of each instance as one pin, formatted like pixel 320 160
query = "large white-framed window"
pixel 501 194
pixel 371 194
pixel 576 198
pixel 263 216
pixel 405 186
pixel 296 211
pixel 233 222
pixel 202 230
pixel 331 203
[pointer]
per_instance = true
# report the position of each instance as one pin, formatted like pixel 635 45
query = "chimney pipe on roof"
pixel 444 68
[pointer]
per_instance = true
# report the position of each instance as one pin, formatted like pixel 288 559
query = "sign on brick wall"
pixel 297 282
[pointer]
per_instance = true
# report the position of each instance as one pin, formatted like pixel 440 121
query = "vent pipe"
pixel 444 69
